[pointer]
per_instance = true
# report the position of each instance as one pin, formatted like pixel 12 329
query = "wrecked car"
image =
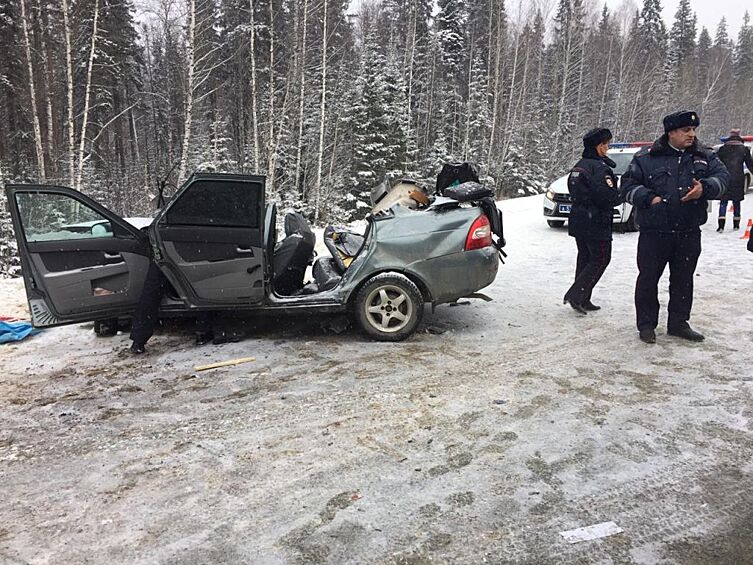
pixel 217 243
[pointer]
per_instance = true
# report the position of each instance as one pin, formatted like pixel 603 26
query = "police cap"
pixel 682 119
pixel 596 137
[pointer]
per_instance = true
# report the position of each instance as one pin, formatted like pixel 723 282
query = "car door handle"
pixel 244 250
pixel 113 258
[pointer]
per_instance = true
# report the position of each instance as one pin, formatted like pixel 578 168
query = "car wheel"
pixel 106 328
pixel 389 307
pixel 555 223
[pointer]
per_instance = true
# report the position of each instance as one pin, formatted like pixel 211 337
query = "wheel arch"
pixel 416 279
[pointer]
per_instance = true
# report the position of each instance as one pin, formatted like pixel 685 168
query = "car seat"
pixel 343 246
pixel 292 255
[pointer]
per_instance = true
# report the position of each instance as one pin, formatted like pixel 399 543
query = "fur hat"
pixel 682 119
pixel 596 136
pixel 735 132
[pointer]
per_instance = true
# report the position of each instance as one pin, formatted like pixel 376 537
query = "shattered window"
pixel 217 203
pixel 55 217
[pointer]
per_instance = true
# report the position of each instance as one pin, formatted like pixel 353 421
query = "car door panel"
pixel 73 273
pixel 210 240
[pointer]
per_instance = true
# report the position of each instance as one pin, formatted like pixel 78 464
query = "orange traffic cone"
pixel 747 230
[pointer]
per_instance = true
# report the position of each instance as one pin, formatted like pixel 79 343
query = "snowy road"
pixel 480 444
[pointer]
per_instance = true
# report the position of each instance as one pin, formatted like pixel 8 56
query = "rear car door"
pixel 80 262
pixel 209 239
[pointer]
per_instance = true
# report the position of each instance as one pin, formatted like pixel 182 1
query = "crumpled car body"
pixel 216 242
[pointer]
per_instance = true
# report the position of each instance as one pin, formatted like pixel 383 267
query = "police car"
pixel 557 201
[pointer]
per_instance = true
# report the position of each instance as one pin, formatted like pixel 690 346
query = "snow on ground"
pixel 478 444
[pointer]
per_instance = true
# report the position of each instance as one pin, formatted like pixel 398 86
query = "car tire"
pixel 106 328
pixel 389 307
pixel 555 223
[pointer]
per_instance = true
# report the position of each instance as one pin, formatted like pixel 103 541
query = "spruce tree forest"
pixel 119 97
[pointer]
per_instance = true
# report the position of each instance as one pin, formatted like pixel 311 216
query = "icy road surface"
pixel 479 444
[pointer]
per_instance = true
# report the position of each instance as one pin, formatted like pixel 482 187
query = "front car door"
pixel 209 241
pixel 80 262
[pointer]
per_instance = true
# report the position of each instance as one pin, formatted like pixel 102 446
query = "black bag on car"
pixel 467 191
pixel 455 173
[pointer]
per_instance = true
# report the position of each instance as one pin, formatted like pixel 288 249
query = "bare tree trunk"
pixel 87 96
pixel 508 126
pixel 496 92
pixel 272 151
pixel 254 109
pixel 322 108
pixel 191 64
pixel 44 23
pixel 71 126
pixel 411 60
pixel 606 81
pixel 32 92
pixel 302 96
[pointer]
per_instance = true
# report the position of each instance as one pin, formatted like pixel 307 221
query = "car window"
pixel 53 217
pixel 217 203
pixel 622 160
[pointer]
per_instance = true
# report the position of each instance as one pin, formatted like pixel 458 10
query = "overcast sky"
pixel 709 12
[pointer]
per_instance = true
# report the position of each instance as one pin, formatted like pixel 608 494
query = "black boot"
pixel 576 306
pixel 647 335
pixel 735 223
pixel 721 224
pixel 590 306
pixel 685 332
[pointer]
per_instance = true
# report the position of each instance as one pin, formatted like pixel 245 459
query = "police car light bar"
pixel 724 138
pixel 623 145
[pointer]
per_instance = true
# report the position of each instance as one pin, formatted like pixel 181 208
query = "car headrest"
pixel 295 223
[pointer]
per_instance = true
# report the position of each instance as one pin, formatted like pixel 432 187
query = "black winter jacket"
pixel 593 189
pixel 733 154
pixel 661 170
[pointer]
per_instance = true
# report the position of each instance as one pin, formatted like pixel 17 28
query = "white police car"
pixel 557 201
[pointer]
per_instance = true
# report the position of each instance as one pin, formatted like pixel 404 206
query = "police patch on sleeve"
pixel 608 180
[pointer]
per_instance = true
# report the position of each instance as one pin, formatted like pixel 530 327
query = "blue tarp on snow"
pixel 15 331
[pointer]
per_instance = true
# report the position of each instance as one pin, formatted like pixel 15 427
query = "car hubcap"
pixel 388 308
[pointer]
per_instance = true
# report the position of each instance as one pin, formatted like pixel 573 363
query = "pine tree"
pixel 652 33
pixel 682 36
pixel 744 50
pixel 722 34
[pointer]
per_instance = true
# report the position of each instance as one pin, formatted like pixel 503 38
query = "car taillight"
pixel 480 234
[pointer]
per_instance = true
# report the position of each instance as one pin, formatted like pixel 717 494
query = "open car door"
pixel 209 239
pixel 80 262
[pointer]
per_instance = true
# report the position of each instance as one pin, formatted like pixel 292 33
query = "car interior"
pixel 295 253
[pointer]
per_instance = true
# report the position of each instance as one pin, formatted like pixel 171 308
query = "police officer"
pixel 670 184
pixel 146 316
pixel 593 189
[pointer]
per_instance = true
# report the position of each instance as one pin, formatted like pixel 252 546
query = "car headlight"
pixel 550 194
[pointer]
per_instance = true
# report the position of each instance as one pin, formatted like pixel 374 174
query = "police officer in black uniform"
pixel 670 184
pixel 593 189
pixel 146 316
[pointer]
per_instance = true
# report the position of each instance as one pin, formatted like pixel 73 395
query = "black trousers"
pixel 146 316
pixel 655 251
pixel 593 258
